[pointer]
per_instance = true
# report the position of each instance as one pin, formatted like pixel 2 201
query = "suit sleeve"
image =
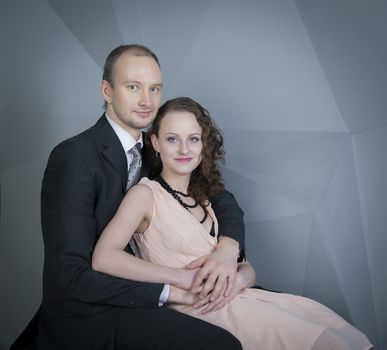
pixel 230 218
pixel 70 232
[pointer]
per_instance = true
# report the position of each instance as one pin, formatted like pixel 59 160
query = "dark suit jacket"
pixel 83 185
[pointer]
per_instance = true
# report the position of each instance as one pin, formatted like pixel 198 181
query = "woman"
pixel 175 224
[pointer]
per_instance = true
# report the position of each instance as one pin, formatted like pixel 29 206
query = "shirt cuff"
pixel 164 295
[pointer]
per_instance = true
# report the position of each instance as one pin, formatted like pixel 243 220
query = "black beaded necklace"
pixel 176 194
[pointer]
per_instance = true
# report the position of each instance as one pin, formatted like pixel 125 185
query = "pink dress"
pixel 259 319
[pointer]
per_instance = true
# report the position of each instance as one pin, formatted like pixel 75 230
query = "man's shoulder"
pixel 87 139
pixel 84 146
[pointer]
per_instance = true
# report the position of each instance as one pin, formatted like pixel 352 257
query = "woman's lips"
pixel 183 160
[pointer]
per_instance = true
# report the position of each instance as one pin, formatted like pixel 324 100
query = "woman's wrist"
pixel 181 278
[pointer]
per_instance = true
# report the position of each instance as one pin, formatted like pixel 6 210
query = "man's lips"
pixel 183 160
pixel 143 114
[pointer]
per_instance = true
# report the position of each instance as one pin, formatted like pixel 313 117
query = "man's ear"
pixel 155 143
pixel 106 91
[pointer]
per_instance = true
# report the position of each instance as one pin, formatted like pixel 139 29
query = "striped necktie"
pixel 135 165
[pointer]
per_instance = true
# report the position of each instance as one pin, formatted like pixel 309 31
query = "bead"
pixel 176 194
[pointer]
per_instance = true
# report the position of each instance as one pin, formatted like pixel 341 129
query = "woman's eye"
pixel 171 139
pixel 194 139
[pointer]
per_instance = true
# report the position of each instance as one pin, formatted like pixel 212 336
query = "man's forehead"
pixel 138 68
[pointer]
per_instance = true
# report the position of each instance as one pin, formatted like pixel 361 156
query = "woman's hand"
pixel 222 300
pixel 217 271
pixel 245 278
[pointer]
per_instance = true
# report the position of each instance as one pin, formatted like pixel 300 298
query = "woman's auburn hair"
pixel 206 180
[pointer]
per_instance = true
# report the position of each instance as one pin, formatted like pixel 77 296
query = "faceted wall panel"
pixel 258 202
pixel 352 50
pixel 47 70
pixel 371 165
pixel 44 132
pixel 92 22
pixel 21 247
pixel 321 280
pixel 278 250
pixel 341 221
pixel 295 164
pixel 253 66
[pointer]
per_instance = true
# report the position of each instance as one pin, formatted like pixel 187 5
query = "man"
pixel 84 182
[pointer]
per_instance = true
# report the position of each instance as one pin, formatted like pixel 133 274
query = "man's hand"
pixel 184 297
pixel 217 270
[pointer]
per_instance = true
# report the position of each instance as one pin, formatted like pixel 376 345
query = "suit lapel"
pixel 112 150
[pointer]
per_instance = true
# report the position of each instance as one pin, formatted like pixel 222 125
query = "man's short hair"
pixel 134 49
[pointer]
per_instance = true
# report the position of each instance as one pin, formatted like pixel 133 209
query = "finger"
pixel 201 303
pixel 199 279
pixel 211 305
pixel 198 289
pixel 196 263
pixel 222 303
pixel 208 285
pixel 219 289
pixel 230 284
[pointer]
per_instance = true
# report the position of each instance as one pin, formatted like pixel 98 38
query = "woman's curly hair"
pixel 206 180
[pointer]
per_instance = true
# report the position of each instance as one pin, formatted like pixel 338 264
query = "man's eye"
pixel 133 87
pixel 155 90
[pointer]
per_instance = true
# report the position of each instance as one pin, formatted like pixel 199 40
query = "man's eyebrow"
pixel 133 81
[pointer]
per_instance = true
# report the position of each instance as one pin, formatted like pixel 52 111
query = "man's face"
pixel 134 98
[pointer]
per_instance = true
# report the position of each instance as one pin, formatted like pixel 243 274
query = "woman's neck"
pixel 177 182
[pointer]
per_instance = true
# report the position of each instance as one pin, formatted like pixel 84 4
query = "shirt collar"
pixel 126 139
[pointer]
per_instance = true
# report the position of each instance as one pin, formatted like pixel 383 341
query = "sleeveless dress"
pixel 258 318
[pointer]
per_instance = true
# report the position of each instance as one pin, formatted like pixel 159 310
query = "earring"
pixel 157 154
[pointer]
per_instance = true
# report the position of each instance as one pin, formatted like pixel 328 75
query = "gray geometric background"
pixel 299 88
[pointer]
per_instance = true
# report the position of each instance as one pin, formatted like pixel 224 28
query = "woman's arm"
pixel 109 256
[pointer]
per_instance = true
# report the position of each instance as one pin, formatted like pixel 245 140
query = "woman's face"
pixel 179 142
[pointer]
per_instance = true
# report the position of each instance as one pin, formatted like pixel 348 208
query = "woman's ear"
pixel 155 143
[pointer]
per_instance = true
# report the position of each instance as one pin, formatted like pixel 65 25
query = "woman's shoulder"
pixel 142 190
pixel 145 181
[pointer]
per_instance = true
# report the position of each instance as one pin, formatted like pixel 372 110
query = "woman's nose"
pixel 183 149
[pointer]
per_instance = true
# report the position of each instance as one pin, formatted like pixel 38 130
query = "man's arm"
pixel 230 217
pixel 218 269
pixel 68 199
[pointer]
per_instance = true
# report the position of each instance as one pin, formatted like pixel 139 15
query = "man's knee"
pixel 225 341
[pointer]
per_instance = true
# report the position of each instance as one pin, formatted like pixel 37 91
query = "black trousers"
pixel 162 329
pixel 134 329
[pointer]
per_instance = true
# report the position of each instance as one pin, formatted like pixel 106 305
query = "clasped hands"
pixel 210 282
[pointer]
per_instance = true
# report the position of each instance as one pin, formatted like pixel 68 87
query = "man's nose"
pixel 145 99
